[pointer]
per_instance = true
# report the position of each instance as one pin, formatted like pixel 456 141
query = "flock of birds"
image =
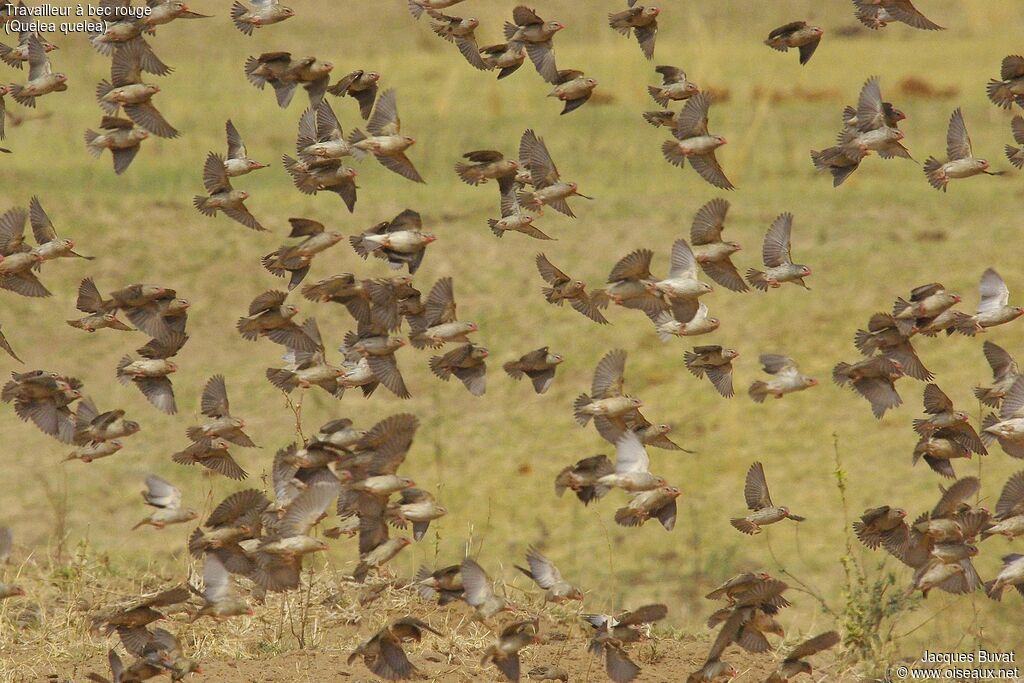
pixel 352 473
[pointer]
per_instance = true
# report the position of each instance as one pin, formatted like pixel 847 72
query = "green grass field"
pixel 492 460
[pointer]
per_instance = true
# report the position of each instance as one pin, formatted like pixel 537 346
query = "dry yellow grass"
pixel 492 460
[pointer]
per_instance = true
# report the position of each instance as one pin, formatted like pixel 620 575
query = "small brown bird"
pixel 127 91
pixel 1008 427
pixel 630 283
pixel 1004 373
pixel 583 476
pixel 715 362
pixel 797 34
pixel 166 498
pixel 942 415
pixel 712 253
pixel 440 324
pixel 506 57
pixel 759 500
pixel 326 175
pixel 93 427
pixel 17 56
pixel 612 632
pixel 1016 154
pixel 222 197
pixel 42 80
pixel 876 14
pixel 479 591
pixel 263 13
pixel 537 37
pixel 694 142
pixel 214 405
pixel 295 260
pixel 795 662
pixel 17 259
pixel 238 163
pixel 1007 91
pixel 659 503
pixel 383 654
pixel 607 399
pixel 270 317
pixel 545 574
pixel 398 241
pixel 213 454
pixel 548 672
pixel 483 165
pixel 548 188
pixel 166 11
pixel 874 379
pixel 504 653
pixel 1012 574
pixel 884 335
pixel 220 600
pixel 642 21
pixel 883 526
pixel 993 309
pixel 44 398
pixel 787 378
pixel 539 366
pixel 573 88
pixel 927 302
pixel 415 506
pixel 674 87
pixel 443 585
pixel 776 253
pixel 563 288
pixel 50 246
pixel 513 219
pixel 121 136
pixel 361 86
pixel 940 447
pixel 468 363
pixel 371 345
pixel 461 32
pixel 150 373
pixel 385 140
pixel 961 162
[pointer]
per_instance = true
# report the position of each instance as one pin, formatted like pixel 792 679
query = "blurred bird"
pixel 694 143
pixel 884 335
pixel 328 175
pixel 269 317
pixel 150 373
pixel 632 466
pixel 942 415
pixel 263 13
pixel 1016 154
pixel 214 405
pixel 883 525
pixel 537 36
pixel 6 346
pixel 787 378
pixel 461 32
pixel 417 507
pixel 513 219
pixel 993 309
pixel 777 258
pixel 659 503
pixel 439 323
pixel 548 188
pixel 715 362
pixel 238 163
pixel 1008 427
pixel 607 399
pixel 548 672
pixel 466 362
pixel 506 57
pixel 574 88
pixel 1012 574
pixel 1005 92
pixel 50 246
pixel 121 136
pixel 629 285
pixel 94 427
pixel 398 241
pixel 961 162
pixel 759 500
pixel 612 632
pixel 418 7
pixel 563 288
pixel 166 498
pixel 361 86
pixel 479 591
pixel 681 289
pixel 1004 373
pixel 285 74
pixel 797 34
pixel 642 21
pixel 295 260
pixel 504 654
pixel 795 662
pixel 582 478
pixel 443 585
pixel 674 87
pixel 927 302
pixel 371 344
pixel 127 91
pixel 942 446
pixel 1008 520
pixel 222 197
pixel 545 574
pixel 874 379
pixel 42 80
pixel 712 253
pixel 668 326
pixel 383 654
pixel 483 165
pixel 18 55
pixel 876 14
pixel 166 11
pixel 539 366
pixel 385 141
pixel 220 600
